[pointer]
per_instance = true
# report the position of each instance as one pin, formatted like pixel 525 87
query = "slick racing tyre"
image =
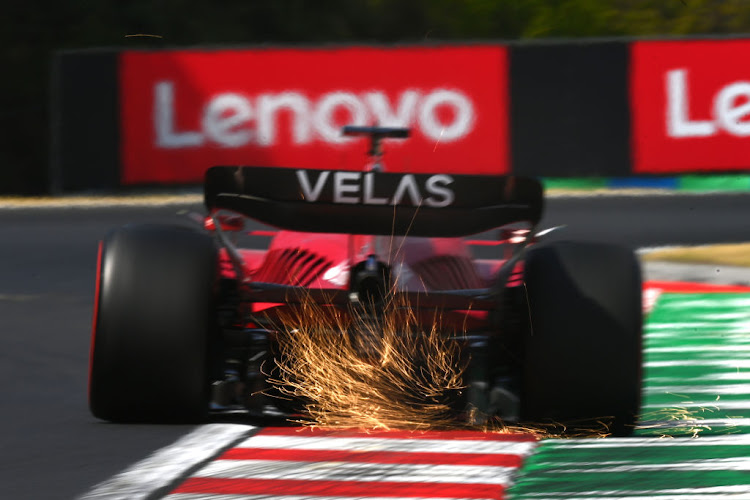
pixel 583 349
pixel 153 325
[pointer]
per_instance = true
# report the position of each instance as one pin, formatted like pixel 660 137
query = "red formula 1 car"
pixel 550 332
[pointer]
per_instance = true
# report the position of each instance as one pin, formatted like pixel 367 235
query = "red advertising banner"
pixel 690 105
pixel 183 111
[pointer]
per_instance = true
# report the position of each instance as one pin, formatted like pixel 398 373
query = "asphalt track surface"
pixel 50 446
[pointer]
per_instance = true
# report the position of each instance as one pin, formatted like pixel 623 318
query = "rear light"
pixel 226 222
pixel 515 236
pixel 507 236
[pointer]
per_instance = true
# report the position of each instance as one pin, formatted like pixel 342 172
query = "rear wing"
pixel 377 203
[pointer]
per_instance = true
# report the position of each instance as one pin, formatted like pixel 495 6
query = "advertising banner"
pixel 690 103
pixel 183 111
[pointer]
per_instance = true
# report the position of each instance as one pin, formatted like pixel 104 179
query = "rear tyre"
pixel 153 326
pixel 583 351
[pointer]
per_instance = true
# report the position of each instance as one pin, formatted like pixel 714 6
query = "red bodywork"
pixel 325 261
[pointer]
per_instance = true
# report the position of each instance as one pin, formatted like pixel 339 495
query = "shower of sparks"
pixel 353 370
pixel 373 372
pixel 675 421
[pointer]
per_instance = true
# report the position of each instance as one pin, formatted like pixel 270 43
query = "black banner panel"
pixel 85 121
pixel 569 112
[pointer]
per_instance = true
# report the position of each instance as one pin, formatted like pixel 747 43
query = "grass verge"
pixel 734 254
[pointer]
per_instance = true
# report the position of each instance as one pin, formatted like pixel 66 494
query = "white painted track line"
pixel 347 471
pixel 389 444
pixel 648 442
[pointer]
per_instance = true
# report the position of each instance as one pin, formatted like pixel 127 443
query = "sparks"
pixel 438 141
pixel 391 374
pixel 395 373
